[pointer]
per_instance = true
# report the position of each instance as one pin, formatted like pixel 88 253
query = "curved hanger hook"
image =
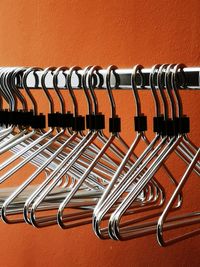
pixel 169 87
pixel 161 89
pixel 2 91
pixel 44 88
pixel 21 98
pixel 2 88
pixel 178 67
pixel 85 88
pixel 27 89
pixel 109 70
pixel 7 88
pixel 55 85
pixel 136 69
pixel 153 89
pixel 70 88
pixel 91 87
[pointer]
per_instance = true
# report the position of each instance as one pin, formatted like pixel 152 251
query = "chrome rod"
pixel 189 78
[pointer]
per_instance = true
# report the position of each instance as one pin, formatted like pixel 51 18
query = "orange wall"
pixel 44 33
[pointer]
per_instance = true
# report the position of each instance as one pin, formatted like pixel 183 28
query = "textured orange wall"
pixel 44 33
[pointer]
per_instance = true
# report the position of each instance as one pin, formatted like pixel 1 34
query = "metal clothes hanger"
pixel 89 111
pixel 141 182
pixel 71 91
pixel 49 188
pixel 114 129
pixel 185 219
pixel 47 70
pixel 106 205
pixel 115 218
pixel 116 192
pixel 20 190
pixel 81 146
pixel 134 176
pixel 140 136
pixel 28 181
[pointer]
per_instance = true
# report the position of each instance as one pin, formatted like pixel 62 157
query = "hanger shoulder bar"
pixel 121 79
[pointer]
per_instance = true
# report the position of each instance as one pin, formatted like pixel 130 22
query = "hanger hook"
pixel 85 88
pixel 8 85
pixel 136 69
pixel 153 89
pixel 20 96
pixel 92 86
pixel 109 70
pixel 169 91
pixel 161 89
pixel 2 88
pixel 55 85
pixel 174 81
pixel 27 89
pixel 44 88
pixel 7 88
pixel 70 88
pixel 3 93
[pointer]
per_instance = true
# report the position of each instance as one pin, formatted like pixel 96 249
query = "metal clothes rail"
pixel 189 78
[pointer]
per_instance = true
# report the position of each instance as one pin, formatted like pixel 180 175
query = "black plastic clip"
pixel 38 121
pixel 78 123
pixel 140 123
pixel 114 125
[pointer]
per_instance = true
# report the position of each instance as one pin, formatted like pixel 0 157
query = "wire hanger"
pixel 117 192
pixel 30 157
pixel 112 196
pixel 32 176
pixel 28 181
pixel 117 214
pixel 49 188
pixel 81 146
pixel 185 219
pixel 82 176
pixel 114 221
pixel 114 129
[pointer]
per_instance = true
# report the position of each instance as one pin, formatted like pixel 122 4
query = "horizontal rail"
pixel 189 79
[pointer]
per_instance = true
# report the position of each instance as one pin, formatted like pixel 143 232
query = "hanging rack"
pixel 188 78
pixel 106 190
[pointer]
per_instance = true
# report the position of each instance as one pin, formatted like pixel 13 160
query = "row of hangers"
pixel 85 177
